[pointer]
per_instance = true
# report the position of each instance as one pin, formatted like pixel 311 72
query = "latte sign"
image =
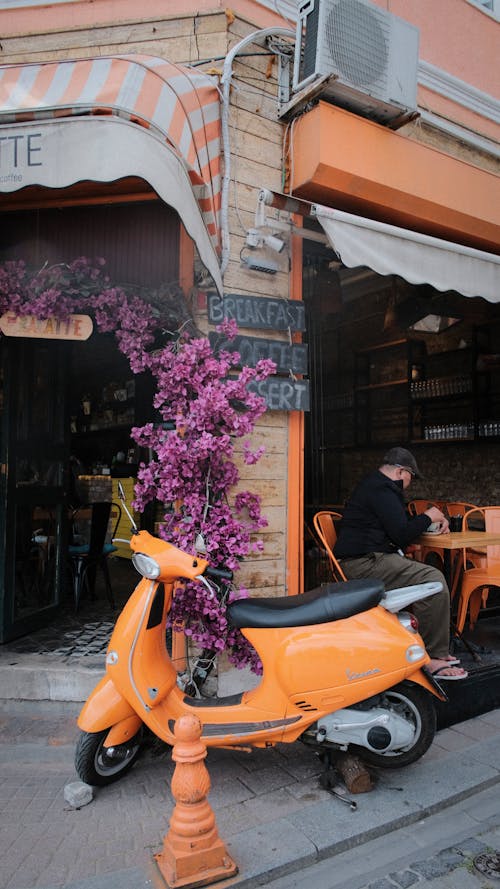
pixel 75 327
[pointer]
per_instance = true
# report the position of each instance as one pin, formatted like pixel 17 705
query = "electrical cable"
pixel 226 80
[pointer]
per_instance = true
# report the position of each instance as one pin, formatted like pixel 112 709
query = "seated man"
pixel 374 532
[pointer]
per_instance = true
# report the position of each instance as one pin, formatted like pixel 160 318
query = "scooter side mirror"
pixel 121 497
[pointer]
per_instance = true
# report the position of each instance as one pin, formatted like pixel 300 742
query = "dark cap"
pixel 405 459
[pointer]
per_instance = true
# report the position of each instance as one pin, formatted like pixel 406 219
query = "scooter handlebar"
pixel 218 573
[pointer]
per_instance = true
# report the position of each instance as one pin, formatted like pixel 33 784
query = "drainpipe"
pixel 227 74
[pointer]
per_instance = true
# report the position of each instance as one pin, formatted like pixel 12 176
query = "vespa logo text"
pixel 352 676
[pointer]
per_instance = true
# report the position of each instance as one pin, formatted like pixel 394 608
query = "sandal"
pixel 441 675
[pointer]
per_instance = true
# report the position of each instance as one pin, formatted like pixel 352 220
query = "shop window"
pixel 492 6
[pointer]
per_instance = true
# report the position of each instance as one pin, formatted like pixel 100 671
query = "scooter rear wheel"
pixel 98 767
pixel 415 704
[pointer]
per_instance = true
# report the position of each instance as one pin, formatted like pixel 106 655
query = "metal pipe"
pixel 227 75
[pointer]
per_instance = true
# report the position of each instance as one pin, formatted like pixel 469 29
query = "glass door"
pixel 33 483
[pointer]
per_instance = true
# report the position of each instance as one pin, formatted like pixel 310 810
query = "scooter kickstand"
pixel 329 782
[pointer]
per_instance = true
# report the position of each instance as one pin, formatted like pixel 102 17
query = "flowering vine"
pixel 204 406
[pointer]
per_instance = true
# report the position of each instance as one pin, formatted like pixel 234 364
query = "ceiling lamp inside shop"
pixel 426 315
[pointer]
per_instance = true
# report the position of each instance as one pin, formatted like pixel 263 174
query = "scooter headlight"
pixel 146 566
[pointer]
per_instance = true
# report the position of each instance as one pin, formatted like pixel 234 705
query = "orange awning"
pixel 344 161
pixel 169 133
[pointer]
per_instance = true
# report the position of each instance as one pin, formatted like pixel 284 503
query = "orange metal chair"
pixel 476 582
pixel 474 557
pixel 323 522
pixel 457 508
pixel 416 507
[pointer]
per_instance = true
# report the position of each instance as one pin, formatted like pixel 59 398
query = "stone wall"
pixel 464 472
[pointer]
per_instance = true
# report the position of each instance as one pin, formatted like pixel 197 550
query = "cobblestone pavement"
pixel 455 867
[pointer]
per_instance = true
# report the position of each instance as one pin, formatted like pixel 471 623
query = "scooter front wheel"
pixel 99 766
pixel 415 705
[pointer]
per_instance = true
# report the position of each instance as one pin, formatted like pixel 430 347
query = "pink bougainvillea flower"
pixel 203 405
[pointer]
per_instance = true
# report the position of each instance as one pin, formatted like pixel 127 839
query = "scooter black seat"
pixel 332 601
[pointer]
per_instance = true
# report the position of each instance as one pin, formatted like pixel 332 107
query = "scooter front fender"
pixel 123 731
pixel 423 678
pixel 106 707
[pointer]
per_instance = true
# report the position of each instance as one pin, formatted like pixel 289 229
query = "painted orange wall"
pixel 362 167
pixel 455 36
pixel 461 39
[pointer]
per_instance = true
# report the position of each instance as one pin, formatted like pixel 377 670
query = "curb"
pixel 39 678
pixel 345 845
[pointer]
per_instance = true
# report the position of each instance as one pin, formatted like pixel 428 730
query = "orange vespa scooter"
pixel 342 668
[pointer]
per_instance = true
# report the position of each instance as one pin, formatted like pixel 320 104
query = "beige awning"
pixel 418 258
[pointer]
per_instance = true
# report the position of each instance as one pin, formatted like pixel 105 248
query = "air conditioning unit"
pixel 369 56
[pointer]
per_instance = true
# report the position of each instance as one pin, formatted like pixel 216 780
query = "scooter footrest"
pixel 229 701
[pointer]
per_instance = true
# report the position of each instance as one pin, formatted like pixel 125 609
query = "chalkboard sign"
pixel 281 394
pixel 256 312
pixel 286 356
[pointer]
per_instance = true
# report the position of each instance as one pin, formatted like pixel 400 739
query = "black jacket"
pixel 375 519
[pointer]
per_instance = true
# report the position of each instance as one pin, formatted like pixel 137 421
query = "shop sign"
pixel 286 356
pixel 282 394
pixel 259 312
pixel 19 151
pixel 75 327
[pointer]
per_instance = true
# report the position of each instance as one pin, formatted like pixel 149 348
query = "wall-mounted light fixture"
pixel 256 238
pixel 259 263
pixel 271 233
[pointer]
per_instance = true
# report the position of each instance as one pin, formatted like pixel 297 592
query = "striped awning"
pixel 172 103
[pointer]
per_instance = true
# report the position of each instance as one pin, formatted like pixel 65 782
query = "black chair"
pixel 89 549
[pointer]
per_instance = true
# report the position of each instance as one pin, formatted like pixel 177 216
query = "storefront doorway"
pixel 68 407
pixel 34 482
pixel 393 363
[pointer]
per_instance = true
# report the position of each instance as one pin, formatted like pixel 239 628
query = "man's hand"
pixel 437 516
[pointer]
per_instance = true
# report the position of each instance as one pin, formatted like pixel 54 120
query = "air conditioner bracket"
pixel 304 97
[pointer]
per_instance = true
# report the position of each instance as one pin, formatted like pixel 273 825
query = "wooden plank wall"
pixel 256 159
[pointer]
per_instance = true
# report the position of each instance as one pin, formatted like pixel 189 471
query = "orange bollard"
pixel 193 853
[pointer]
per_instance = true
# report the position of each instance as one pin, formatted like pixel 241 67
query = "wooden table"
pixel 454 541
pixel 458 540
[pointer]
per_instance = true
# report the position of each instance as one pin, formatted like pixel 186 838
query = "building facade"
pixel 195 146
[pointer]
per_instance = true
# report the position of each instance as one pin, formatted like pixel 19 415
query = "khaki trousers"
pixel 433 613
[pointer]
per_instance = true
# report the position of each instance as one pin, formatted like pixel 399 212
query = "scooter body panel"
pixel 431 685
pixel 335 664
pixel 308 671
pixel 104 708
pixel 138 660
pixel 123 731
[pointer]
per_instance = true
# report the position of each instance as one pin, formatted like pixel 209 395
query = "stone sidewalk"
pixel 271 814
pixel 442 851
